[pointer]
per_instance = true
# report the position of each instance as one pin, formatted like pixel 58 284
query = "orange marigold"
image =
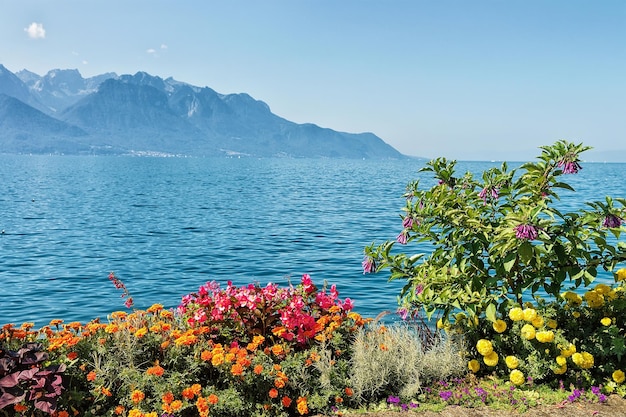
pixel 119 410
pixel 213 399
pixel 206 355
pixel 137 396
pixel 72 355
pixel 273 393
pixel 286 402
pixel 258 369
pixel 176 405
pixel 196 388
pixel 91 376
pixel 236 369
pixel 277 350
pixel 188 394
pixel 105 391
pixel 349 391
pixel 155 370
pixel 167 398
pixel 20 408
pixel 279 383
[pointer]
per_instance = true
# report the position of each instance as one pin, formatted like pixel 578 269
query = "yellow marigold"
pixel 568 350
pixel 583 359
pixel 529 314
pixel 473 365
pixel 141 333
pixel 516 314
pixel 528 331
pixel 499 326
pixel 301 406
pixel 217 359
pixel 620 275
pixel 560 370
pixel 545 336
pixel 606 321
pixel 111 328
pixel 484 347
pixel 572 298
pixel 594 299
pixel 491 359
pixel 135 413
pixel 576 314
pixel 602 289
pixel 537 321
pixel 553 324
pixel 511 362
pixel 618 376
pixel 517 377
pixel 561 360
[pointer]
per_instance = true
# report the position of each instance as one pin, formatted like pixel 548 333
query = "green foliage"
pixel 500 237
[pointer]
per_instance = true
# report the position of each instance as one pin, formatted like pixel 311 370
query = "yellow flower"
pixel 499 326
pixel 620 275
pixel 537 321
pixel 561 360
pixel 545 336
pixel 602 289
pixel 594 299
pixel 552 324
pixel 491 359
pixel 618 376
pixel 473 365
pixel 511 362
pixel 516 314
pixel 568 350
pixel 584 360
pixel 517 377
pixel 561 370
pixel 528 332
pixel 576 314
pixel 484 347
pixel 606 321
pixel 572 298
pixel 529 314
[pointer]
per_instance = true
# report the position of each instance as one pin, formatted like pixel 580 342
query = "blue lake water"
pixel 165 226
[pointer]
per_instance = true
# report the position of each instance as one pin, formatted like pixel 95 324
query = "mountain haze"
pixel 62 112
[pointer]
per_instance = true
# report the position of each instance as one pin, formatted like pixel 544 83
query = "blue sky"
pixel 466 79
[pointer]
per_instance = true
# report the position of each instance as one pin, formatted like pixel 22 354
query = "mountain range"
pixel 64 113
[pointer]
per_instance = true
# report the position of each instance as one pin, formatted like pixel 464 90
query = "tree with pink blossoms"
pixel 500 238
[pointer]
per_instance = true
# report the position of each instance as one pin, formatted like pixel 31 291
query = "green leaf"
pixel 509 261
pixel 526 251
pixel 490 313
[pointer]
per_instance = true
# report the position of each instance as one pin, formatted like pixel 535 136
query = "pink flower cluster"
pixel 526 232
pixel 120 286
pixel 290 313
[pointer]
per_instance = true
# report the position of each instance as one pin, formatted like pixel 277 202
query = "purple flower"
pixel 611 220
pixel 402 237
pixel 569 167
pixel 419 289
pixel 526 231
pixel 489 191
pixel 407 222
pixel 368 265
pixel 445 395
pixel 393 400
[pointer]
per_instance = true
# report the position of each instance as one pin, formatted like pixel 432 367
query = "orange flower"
pixel 236 369
pixel 338 400
pixel 111 328
pixel 258 369
pixel 91 376
pixel 349 391
pixel 20 407
pixel 165 344
pixel 166 314
pixel 105 391
pixel 277 350
pixel 137 396
pixel 167 398
pixel 188 394
pixel 155 308
pixel 155 370
pixel 206 355
pixel 286 402
pixel 119 410
pixel 121 315
pixel 176 405
pixel 302 406
pixel 141 333
pixel 63 413
pixel 279 383
pixel 202 406
pixel 273 393
pixel 213 399
pixel 196 388
pixel 72 355
pixel 55 322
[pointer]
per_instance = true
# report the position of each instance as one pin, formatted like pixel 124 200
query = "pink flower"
pixel 368 265
pixel 526 232
pixel 569 167
pixel 402 237
pixel 407 223
pixel 487 192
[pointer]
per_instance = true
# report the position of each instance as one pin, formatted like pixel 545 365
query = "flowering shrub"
pixel 499 238
pixel 228 352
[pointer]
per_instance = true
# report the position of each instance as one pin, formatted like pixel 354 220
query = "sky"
pixel 464 79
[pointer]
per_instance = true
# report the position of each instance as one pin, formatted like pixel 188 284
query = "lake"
pixel 165 226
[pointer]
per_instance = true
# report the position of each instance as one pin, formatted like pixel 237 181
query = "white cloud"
pixel 85 62
pixel 35 31
pixel 151 51
pixel 163 46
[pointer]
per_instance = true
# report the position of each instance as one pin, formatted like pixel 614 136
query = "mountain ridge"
pixel 62 112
